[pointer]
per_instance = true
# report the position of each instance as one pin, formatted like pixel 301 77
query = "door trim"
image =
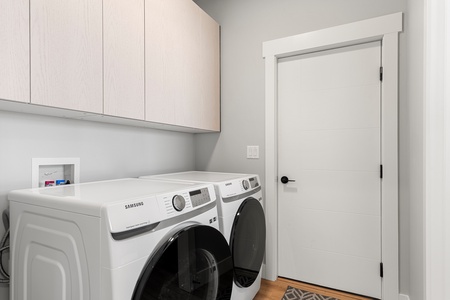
pixel 386 30
pixel 436 140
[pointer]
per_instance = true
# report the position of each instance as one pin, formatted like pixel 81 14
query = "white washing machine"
pixel 241 220
pixel 117 240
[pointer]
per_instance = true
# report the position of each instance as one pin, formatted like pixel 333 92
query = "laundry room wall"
pixel 106 151
pixel 245 25
pixel 412 149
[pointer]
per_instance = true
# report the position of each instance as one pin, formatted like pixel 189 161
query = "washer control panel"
pixel 200 197
pixel 187 200
pixel 136 212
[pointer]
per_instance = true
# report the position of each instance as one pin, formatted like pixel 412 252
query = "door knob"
pixel 285 180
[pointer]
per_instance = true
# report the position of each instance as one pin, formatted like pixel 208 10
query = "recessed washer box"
pixel 54 170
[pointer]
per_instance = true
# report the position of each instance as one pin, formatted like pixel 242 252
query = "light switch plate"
pixel 253 152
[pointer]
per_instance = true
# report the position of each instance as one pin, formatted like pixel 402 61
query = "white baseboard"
pixel 403 297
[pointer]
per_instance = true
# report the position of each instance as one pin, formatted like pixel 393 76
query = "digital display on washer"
pixel 199 197
pixel 254 182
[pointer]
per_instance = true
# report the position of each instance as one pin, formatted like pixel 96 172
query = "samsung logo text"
pixel 133 205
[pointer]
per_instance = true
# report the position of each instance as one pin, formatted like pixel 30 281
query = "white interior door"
pixel 329 230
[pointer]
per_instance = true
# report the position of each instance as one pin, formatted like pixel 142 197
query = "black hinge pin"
pixel 381 171
pixel 381 73
pixel 381 270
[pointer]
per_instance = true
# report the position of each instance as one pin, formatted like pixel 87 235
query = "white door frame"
pixel 386 30
pixel 437 151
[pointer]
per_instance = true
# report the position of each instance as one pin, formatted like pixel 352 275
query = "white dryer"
pixel 116 240
pixel 241 220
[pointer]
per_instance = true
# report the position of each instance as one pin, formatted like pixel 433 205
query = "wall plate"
pixel 52 169
pixel 253 152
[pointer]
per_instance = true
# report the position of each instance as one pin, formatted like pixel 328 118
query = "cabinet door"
pixel 182 65
pixel 66 54
pixel 123 28
pixel 14 50
pixel 207 71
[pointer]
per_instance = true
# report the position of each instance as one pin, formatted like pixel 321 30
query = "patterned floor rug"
pixel 296 294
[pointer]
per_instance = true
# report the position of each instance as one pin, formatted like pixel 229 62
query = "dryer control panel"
pixel 239 186
pixel 253 182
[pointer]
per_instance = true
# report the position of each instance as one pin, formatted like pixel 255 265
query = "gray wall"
pixel 106 151
pixel 245 26
pixel 413 153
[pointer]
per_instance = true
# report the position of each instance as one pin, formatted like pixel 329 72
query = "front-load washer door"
pixel 248 242
pixel 194 263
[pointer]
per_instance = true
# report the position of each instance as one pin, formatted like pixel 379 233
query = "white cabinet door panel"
pixel 14 50
pixel 163 54
pixel 208 73
pixel 182 65
pixel 124 58
pixel 66 54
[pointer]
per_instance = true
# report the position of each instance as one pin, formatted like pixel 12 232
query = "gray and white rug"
pixel 296 294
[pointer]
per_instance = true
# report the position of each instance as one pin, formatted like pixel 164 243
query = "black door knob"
pixel 285 180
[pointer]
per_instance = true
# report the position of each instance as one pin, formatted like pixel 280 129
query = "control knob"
pixel 245 184
pixel 178 202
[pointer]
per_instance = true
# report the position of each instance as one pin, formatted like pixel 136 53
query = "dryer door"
pixel 248 242
pixel 194 263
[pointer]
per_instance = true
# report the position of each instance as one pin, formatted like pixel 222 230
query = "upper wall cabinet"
pixel 182 65
pixel 66 54
pixel 123 35
pixel 152 63
pixel 14 50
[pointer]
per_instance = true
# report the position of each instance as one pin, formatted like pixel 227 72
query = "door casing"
pixel 385 29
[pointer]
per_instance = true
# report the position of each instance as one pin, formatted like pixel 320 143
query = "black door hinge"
pixel 381 270
pixel 381 73
pixel 381 171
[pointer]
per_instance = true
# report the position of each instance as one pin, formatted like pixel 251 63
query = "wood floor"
pixel 274 290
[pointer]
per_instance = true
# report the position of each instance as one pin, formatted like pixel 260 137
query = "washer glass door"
pixel 248 242
pixel 194 263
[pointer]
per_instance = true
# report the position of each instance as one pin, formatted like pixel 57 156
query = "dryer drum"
pixel 248 242
pixel 194 263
